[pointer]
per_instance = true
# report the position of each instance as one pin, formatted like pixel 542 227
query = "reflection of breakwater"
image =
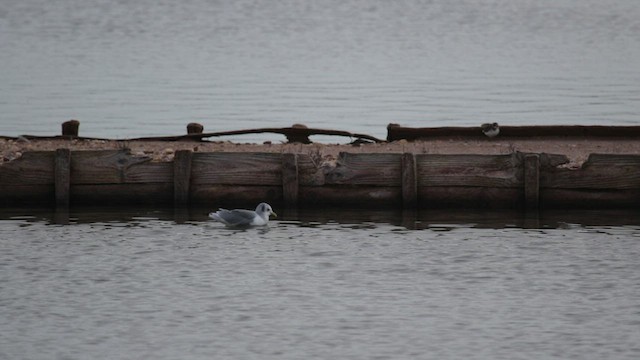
pixel 411 219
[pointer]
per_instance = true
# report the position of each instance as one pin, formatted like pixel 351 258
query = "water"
pixel 148 67
pixel 139 284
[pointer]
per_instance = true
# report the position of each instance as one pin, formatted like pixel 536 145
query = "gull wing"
pixel 234 217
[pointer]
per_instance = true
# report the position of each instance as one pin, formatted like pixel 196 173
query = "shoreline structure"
pixel 523 168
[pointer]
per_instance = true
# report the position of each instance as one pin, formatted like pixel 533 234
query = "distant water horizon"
pixel 147 68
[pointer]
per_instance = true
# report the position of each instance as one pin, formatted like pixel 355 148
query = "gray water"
pixel 319 285
pixel 148 67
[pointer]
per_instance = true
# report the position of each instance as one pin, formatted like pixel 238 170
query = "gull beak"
pixel 273 213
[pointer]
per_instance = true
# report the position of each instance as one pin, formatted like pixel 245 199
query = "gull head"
pixel 264 210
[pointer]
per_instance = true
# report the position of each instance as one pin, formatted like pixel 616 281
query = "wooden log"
pixel 247 196
pixel 470 197
pixel 61 216
pixel 559 217
pixel 582 131
pixel 181 215
pixel 366 169
pixel 409 181
pixel 237 169
pixel 313 196
pixel 362 197
pixel 479 218
pixel 531 219
pixel 32 168
pixel 116 167
pixel 396 132
pixel 552 160
pixel 181 177
pixel 32 195
pixel 311 170
pixel 70 128
pixel 290 185
pixel 62 177
pixel 600 171
pixel 469 170
pixel 131 194
pixel 590 199
pixel 531 180
pixel 409 218
pixel 355 180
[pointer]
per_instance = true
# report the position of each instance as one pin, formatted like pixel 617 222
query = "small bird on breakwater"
pixel 491 130
pixel 241 217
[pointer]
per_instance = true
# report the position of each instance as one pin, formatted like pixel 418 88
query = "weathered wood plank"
pixel 354 180
pixel 470 170
pixel 366 169
pixel 409 181
pixel 363 196
pixel 27 195
pixel 149 172
pixel 234 195
pixel 117 167
pixel 552 160
pixel 310 170
pixel 237 169
pixel 32 168
pixel 600 171
pixel 290 185
pixel 182 177
pixel 62 177
pixel 595 199
pixel 122 194
pixel 338 196
pixel 470 197
pixel 397 132
pixel 531 180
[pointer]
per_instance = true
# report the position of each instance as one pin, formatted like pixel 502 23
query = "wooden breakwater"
pixel 396 132
pixel 366 180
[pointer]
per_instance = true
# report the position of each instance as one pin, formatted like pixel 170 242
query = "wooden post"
pixel 181 177
pixel 409 181
pixel 532 181
pixel 194 128
pixel 298 133
pixel 62 170
pixel 290 186
pixel 70 128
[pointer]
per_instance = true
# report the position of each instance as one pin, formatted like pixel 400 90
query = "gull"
pixel 241 217
pixel 491 130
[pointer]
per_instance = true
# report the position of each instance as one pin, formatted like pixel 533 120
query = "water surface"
pixel 134 284
pixel 143 68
